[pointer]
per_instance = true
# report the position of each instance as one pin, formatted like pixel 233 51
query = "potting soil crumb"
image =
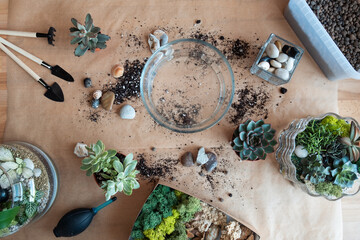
pixel 128 85
pixel 94 116
pixel 249 102
pixel 162 168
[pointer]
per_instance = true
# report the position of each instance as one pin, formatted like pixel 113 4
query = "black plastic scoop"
pixel 49 35
pixel 77 220
pixel 55 70
pixel 53 92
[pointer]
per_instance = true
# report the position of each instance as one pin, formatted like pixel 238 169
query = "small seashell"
pixel 264 65
pixel 97 94
pixel 117 71
pixel 37 172
pixel 275 64
pixel 160 34
pixel 278 44
pixel 80 150
pixel 153 42
pixel 27 173
pixel 29 163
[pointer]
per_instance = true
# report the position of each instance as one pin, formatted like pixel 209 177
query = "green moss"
pixel 179 232
pixel 166 227
pixel 337 126
pixel 187 207
pixel 327 188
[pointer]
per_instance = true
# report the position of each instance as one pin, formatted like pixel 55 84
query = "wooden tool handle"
pixel 19 62
pixel 21 51
pixel 18 33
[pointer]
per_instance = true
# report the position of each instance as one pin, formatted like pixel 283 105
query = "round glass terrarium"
pixel 29 185
pixel 287 145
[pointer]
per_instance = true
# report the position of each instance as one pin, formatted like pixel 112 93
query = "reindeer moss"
pixel 337 126
pixel 166 227
pixel 328 189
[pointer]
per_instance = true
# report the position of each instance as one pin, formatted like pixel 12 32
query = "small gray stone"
pixel 202 158
pixel 212 163
pixel 127 112
pixel 272 51
pixel 187 159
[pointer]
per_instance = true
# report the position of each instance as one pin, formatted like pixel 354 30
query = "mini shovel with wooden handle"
pixel 53 92
pixel 49 35
pixel 55 70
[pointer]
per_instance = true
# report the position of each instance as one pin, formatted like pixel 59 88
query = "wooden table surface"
pixel 348 102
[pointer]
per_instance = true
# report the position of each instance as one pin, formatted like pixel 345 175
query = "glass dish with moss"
pixel 321 155
pixel 28 185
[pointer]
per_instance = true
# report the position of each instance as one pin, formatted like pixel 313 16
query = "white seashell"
pixel 161 35
pixel 282 73
pixel 272 51
pixel 32 190
pixel 290 64
pixel 80 150
pixel 27 173
pixel 153 42
pixel 28 163
pixel 272 70
pixel 9 165
pixel 264 65
pixel 37 172
pixel 282 57
pixel 117 71
pixel 301 152
pixel 275 64
pixel 97 94
pixel 6 155
pixel 4 182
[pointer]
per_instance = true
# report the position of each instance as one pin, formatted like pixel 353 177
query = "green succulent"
pixel 314 169
pixel 353 143
pixel 253 140
pixel 344 172
pixel 120 176
pixel 87 36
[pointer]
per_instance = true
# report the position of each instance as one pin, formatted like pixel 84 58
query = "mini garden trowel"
pixel 77 220
pixel 49 35
pixel 53 92
pixel 55 70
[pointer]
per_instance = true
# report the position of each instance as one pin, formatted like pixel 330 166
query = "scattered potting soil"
pixel 128 85
pixel 341 20
pixel 94 116
pixel 249 102
pixel 162 168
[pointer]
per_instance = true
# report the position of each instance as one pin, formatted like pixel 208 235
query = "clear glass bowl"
pixel 287 146
pixel 268 76
pixel 187 85
pixel 47 182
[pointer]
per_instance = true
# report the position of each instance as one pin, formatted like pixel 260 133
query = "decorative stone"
pixel 97 94
pixel 301 152
pixel 283 90
pixel 32 191
pixel 117 71
pixel 6 155
pixel 272 51
pixel 187 159
pixel 212 163
pixel 161 35
pixel 265 59
pixel 272 70
pixel 286 49
pixel 80 150
pixel 278 44
pixel 282 58
pixel 107 100
pixel 17 191
pixel 293 52
pixel 212 233
pixel 290 64
pixel 4 195
pixel 29 163
pixel 153 42
pixel 27 173
pixel 95 103
pixel 202 158
pixel 87 82
pixel 37 172
pixel 264 65
pixel 275 64
pixel 282 73
pixel 127 112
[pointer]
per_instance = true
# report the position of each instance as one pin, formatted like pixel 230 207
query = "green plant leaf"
pixel 127 188
pixel 74 21
pixel 128 159
pixel 266 127
pixel 118 166
pixel 259 152
pixel 107 177
pixel 259 123
pixel 129 169
pixel 75 34
pixel 81 27
pixel 246 152
pixel 237 142
pixel 80 50
pixel 88 22
pixel 38 195
pixel 268 136
pixel 253 156
pixel 121 175
pixel 76 40
pixel 6 216
pixel 242 127
pixel 85 167
pixel 91 35
pixel 258 130
pixel 272 142
pixel 96 30
pixel 89 172
pixel 30 209
pixel 250 126
pixel 87 160
pixel 346 141
pixel 101 45
pixel 120 186
pixel 269 149
pixel 242 136
pixel 102 37
pixel 73 29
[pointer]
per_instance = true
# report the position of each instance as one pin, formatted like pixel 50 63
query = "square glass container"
pixel 271 77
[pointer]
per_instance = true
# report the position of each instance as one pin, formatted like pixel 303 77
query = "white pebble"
pixel 275 64
pixel 272 51
pixel 301 152
pixel 97 94
pixel 290 64
pixel 282 73
pixel 282 57
pixel 37 172
pixel 80 150
pixel 29 163
pixel 272 70
pixel 27 173
pixel 264 65
pixel 127 112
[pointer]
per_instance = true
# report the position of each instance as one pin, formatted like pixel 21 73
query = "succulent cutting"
pixel 118 176
pixel 87 36
pixel 253 140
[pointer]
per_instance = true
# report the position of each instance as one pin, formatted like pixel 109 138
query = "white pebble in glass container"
pixel 275 64
pixel 282 73
pixel 290 64
pixel 264 65
pixel 272 51
pixel 282 57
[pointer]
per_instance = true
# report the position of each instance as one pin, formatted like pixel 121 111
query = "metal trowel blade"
pixel 55 93
pixel 61 73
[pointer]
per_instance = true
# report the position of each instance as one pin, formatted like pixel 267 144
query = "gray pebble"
pixel 212 163
pixel 127 112
pixel 95 103
pixel 87 82
pixel 187 159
